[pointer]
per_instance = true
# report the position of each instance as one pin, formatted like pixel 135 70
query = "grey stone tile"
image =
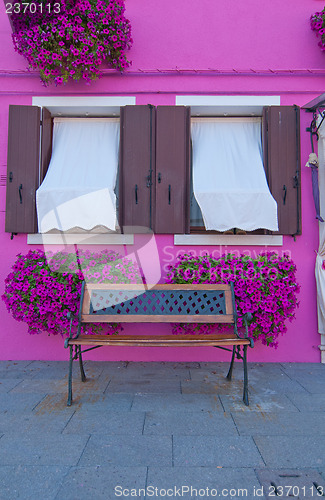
pixel 102 482
pixel 257 403
pixel 290 451
pixel 204 423
pixel 109 401
pixel 13 365
pixel 297 483
pixel 189 480
pixel 34 422
pixel 303 366
pixel 312 386
pixel 220 386
pixel 280 424
pixel 30 482
pixel 229 451
pixel 19 402
pixel 127 451
pixel 139 386
pixel 176 402
pixel 308 402
pixel 61 385
pixel 107 422
pixel 41 449
pixel 9 384
pixel 24 373
pixel 266 386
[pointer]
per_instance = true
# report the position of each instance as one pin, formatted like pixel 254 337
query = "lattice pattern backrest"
pixel 157 302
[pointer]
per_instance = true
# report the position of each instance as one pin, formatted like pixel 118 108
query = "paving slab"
pixel 257 403
pixel 176 402
pixel 31 423
pixel 106 422
pixel 102 483
pixel 41 449
pixel 280 424
pixel 19 403
pixel 193 482
pixel 308 402
pixel 204 423
pixel 140 386
pixel 12 365
pixel 303 366
pixel 9 384
pixel 290 451
pixel 127 450
pixel 229 451
pixel 298 483
pixel 30 482
pixel 60 385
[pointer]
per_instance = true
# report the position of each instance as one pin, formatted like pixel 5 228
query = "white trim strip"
pixel 227 100
pixel 228 240
pixel 69 101
pixel 69 119
pixel 85 239
pixel 228 119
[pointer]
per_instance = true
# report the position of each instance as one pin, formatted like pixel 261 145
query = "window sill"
pixel 228 239
pixel 85 239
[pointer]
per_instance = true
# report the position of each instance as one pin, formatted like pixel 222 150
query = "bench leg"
pixel 245 395
pixel 82 371
pixel 229 375
pixel 69 402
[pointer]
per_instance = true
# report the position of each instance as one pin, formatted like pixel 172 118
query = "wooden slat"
pixel 151 318
pixel 228 299
pixel 46 142
pixel 190 287
pixel 159 341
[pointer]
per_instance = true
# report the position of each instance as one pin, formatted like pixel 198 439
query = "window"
pixel 155 173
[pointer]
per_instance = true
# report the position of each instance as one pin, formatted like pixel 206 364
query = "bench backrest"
pixel 107 303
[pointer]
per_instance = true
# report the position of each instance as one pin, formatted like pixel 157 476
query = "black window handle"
pixel 159 178
pixel 20 194
pixel 169 194
pixel 284 189
pixel 136 194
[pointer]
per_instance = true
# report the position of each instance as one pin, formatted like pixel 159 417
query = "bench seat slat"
pixel 160 340
pixel 152 318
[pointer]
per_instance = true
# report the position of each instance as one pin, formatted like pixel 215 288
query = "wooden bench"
pixel 107 303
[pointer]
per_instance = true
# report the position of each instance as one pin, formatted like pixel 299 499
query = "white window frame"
pixel 224 106
pixel 82 106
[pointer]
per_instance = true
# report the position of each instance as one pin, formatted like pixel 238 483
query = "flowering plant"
pixel 70 39
pixel 265 286
pixel 317 22
pixel 42 288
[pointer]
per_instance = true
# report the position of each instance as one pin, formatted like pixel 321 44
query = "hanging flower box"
pixel 71 40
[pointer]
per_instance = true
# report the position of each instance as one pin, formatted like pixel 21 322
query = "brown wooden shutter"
pixel 22 169
pixel 172 170
pixel 281 125
pixel 46 142
pixel 137 166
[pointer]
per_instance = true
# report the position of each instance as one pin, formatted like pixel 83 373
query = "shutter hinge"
pixel 12 235
pixel 295 181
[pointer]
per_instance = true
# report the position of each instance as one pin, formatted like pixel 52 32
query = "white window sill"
pixel 85 239
pixel 228 239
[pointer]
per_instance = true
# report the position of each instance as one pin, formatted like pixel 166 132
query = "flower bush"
pixel 265 286
pixel 42 288
pixel 70 39
pixel 317 22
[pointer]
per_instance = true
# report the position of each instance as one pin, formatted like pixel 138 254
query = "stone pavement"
pixel 172 430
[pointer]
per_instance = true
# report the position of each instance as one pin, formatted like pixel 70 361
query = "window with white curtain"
pixel 78 191
pixel 229 185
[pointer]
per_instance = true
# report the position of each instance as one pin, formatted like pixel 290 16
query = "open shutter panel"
pixel 137 166
pixel 172 170
pixel 46 142
pixel 281 126
pixel 22 169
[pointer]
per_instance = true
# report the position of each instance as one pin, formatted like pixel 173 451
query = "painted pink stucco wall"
pixel 259 48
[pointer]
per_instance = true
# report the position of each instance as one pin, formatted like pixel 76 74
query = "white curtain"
pixel 78 190
pixel 229 182
pixel 319 271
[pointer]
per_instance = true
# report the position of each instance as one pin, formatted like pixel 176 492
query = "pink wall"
pixel 253 45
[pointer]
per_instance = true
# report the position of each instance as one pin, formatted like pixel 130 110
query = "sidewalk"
pixel 161 426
